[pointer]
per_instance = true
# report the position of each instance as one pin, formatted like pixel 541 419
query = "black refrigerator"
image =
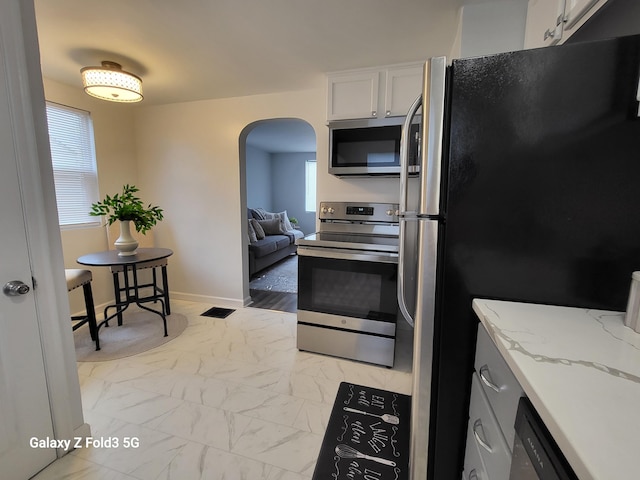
pixel 529 191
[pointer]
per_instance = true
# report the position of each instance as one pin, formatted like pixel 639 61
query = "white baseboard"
pixel 219 301
pixel 189 297
pixel 83 431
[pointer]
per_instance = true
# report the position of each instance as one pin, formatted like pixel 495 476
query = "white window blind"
pixel 74 164
pixel 310 186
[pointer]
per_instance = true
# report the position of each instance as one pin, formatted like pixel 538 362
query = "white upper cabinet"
pixel 578 11
pixel 373 93
pixel 353 95
pixel 403 85
pixel 544 23
pixel 553 21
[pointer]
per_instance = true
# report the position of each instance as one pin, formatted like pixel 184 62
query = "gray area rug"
pixel 281 277
pixel 140 331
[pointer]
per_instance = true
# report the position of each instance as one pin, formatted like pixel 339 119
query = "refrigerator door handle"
pixel 638 97
pixel 404 154
pixel 402 304
pixel 432 133
pixel 403 214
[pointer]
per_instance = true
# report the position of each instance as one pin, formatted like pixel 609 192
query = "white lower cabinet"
pixel 494 401
pixel 498 383
pixel 473 465
pixel 486 433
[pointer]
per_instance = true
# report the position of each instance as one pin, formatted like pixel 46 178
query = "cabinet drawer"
pixel 498 383
pixel 486 433
pixel 473 466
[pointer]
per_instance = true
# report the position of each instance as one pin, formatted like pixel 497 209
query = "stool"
pixel 76 278
pixel 157 291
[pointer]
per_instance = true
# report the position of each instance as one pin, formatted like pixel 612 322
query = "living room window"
pixel 310 186
pixel 74 164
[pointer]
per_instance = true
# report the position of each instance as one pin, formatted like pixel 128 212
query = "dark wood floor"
pixel 280 301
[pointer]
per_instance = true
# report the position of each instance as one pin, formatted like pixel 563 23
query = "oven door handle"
pixel 342 254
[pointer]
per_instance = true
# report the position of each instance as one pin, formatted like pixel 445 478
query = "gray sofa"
pixel 276 245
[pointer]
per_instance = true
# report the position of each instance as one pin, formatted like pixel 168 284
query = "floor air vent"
pixel 217 312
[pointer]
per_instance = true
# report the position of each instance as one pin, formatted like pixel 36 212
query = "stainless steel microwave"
pixel 370 147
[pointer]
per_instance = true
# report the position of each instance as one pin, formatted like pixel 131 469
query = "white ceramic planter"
pixel 126 244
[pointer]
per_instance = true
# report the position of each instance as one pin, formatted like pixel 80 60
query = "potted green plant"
pixel 293 221
pixel 127 207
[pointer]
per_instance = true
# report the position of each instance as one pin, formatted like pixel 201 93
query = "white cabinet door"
pixel 353 95
pixel 498 383
pixel 544 23
pixel 403 86
pixel 373 93
pixel 487 435
pixel 578 11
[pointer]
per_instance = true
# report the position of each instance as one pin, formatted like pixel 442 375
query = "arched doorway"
pixel 278 179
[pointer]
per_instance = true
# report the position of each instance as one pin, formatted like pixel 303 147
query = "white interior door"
pixel 24 399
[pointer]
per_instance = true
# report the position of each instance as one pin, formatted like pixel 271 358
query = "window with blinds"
pixel 74 164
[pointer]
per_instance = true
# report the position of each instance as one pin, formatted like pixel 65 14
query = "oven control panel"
pixel 358 212
pixel 353 210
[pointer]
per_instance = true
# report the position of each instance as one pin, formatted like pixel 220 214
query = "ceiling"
pixel 203 49
pixel 283 135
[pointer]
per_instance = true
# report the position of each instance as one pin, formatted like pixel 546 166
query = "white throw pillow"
pixel 281 215
pixel 285 220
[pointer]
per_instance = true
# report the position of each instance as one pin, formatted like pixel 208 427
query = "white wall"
pixel 288 177
pixel 259 180
pixel 116 162
pixel 189 163
pixel 493 27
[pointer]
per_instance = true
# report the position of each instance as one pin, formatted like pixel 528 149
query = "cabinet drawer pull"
pixel 478 425
pixel 486 379
pixel 473 475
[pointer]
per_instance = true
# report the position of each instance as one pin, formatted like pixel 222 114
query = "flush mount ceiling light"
pixel 110 82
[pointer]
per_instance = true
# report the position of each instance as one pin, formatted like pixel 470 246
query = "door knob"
pixel 15 288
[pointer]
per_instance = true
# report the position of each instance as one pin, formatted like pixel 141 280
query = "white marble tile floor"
pixel 229 399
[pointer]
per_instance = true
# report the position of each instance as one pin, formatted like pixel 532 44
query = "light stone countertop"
pixel 581 370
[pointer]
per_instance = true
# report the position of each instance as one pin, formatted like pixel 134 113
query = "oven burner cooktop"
pixel 352 241
pixel 365 227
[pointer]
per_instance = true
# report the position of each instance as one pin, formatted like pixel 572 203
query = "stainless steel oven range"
pixel 347 282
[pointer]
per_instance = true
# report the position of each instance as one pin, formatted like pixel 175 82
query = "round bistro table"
pixel 110 258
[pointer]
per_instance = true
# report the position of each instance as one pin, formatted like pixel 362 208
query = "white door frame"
pixel 19 44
